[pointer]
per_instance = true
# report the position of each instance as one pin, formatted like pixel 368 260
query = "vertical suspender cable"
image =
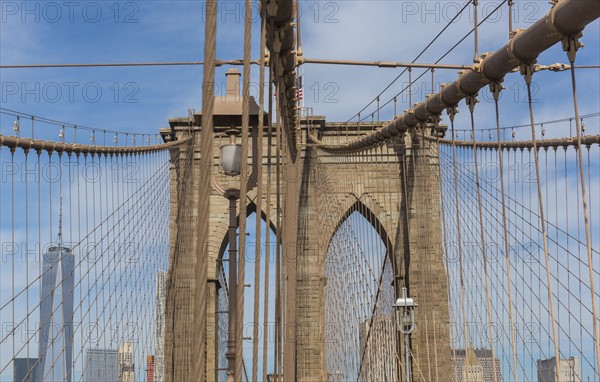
pixel 39 238
pixel 471 101
pixel 495 89
pixel 298 29
pixel 243 189
pixel 452 113
pixel 278 336
pixel 510 18
pixel 12 241
pixel 410 89
pixel 406 244
pixel 70 182
pixel 424 163
pixel 445 246
pixel 55 262
pixel 527 71
pixel 268 221
pixel 407 230
pixel 79 240
pixel 571 45
pixel 476 31
pixel 27 242
pixel 389 252
pixel 199 344
pixel 101 242
pixel 259 195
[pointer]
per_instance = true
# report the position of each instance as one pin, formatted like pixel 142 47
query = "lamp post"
pixel 405 320
pixel 231 159
pixel 227 113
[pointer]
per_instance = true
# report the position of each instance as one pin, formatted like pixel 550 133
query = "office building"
pixel 101 365
pixel 56 315
pixel 475 365
pixel 25 370
pixel 150 368
pixel 569 370
pixel 126 363
pixel 472 369
pixel 159 341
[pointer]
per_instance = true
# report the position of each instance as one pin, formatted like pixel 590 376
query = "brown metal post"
pixel 233 196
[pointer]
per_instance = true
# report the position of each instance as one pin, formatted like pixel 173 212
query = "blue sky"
pixel 128 31
pixel 141 100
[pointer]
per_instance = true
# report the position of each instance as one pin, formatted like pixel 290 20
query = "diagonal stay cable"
pixel 443 56
pixel 414 60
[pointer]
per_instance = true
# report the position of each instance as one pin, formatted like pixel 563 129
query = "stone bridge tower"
pixel 396 188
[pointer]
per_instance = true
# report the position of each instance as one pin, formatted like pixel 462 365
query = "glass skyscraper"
pixel 56 315
pixel 101 365
pixel 25 370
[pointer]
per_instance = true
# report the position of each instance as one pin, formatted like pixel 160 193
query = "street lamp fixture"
pixel 405 320
pixel 231 155
pixel 231 164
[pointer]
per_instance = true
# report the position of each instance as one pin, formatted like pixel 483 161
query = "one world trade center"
pixel 56 314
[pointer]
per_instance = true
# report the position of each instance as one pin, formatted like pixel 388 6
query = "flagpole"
pixel 303 86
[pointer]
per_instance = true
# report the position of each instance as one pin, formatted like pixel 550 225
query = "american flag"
pixel 299 88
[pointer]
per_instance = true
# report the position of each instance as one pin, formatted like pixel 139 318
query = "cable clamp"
pixel 527 71
pixel 471 101
pixel 571 45
pixel 495 88
pixel 452 111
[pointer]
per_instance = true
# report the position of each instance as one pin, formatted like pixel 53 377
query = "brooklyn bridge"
pixel 257 239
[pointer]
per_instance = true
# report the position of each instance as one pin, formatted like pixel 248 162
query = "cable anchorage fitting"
pixel 570 45
pixel 527 71
pixel 452 111
pixel 496 88
pixel 471 101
